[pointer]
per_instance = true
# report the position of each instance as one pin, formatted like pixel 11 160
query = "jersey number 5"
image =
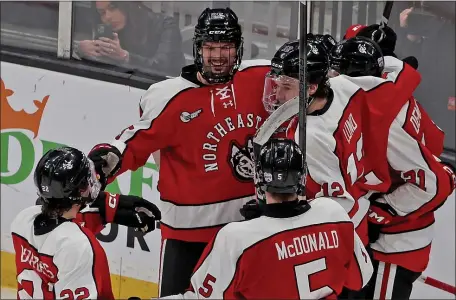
pixel 207 289
pixel 302 274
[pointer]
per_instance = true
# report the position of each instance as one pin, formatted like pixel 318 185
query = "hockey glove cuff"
pixel 380 212
pixel 107 160
pixel 130 211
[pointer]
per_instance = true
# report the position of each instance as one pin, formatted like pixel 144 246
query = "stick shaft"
pixel 302 77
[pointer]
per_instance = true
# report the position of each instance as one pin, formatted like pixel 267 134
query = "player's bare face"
pixel 287 89
pixel 219 57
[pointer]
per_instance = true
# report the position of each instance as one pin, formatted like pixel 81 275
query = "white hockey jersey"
pixel 336 138
pixel 64 262
pixel 310 255
pixel 419 184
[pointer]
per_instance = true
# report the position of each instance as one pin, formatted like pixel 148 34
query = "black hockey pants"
pixel 177 261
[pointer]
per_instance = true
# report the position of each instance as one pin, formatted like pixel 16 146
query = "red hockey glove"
pixel 107 160
pixel 380 212
pixel 130 211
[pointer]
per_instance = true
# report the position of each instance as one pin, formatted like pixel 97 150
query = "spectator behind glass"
pixel 141 38
pixel 426 30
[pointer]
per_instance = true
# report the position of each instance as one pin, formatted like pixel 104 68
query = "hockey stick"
pixel 303 81
pixel 386 14
pixel 273 122
pixel 438 284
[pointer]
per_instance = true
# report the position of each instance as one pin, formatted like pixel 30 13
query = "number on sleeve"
pixel 415 177
pixel 206 290
pixel 302 274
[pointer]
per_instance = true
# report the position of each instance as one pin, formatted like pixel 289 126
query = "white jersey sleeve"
pixel 360 268
pixel 75 262
pixel 427 182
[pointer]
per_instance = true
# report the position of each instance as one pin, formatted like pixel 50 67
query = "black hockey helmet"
pixel 286 61
pixel 325 39
pixel 65 176
pixel 217 25
pixel 285 72
pixel 280 167
pixel 358 56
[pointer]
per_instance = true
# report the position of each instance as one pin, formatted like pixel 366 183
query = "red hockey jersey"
pixel 204 134
pixel 312 255
pixel 64 262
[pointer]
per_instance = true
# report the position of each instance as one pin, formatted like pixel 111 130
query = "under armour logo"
pixel 223 92
pixel 226 104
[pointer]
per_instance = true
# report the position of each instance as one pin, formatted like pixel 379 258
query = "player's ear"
pixel 312 88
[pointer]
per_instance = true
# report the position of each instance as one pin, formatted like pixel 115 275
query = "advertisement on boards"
pixel 41 110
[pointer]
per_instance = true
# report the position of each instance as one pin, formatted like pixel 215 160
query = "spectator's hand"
pixel 111 48
pixel 403 23
pixel 403 16
pixel 89 48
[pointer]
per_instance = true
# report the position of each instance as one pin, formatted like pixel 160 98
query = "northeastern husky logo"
pixel 241 160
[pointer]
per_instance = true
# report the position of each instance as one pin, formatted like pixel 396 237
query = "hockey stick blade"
pixel 277 118
pixel 438 284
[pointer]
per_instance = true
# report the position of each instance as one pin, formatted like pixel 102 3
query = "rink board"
pixel 79 112
pixel 82 112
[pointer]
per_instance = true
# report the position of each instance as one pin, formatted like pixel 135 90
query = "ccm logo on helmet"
pixel 217 31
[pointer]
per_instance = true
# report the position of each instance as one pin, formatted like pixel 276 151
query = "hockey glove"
pixel 130 211
pixel 386 38
pixel 380 213
pixel 251 210
pixel 411 61
pixel 107 160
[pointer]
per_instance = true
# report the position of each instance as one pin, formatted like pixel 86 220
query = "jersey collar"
pixel 285 209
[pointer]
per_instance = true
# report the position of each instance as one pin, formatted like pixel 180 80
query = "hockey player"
pixel 295 250
pixel 202 122
pixel 57 253
pixel 416 183
pixel 334 125
pixel 330 174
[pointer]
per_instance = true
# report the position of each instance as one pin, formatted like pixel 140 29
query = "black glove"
pixel 130 211
pixel 386 38
pixel 251 210
pixel 411 61
pixel 107 160
pixel 380 214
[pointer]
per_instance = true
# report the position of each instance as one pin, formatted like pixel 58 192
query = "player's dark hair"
pixel 55 209
pixel 322 89
pixel 285 197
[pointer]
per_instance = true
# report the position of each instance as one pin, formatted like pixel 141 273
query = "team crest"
pixel 241 160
